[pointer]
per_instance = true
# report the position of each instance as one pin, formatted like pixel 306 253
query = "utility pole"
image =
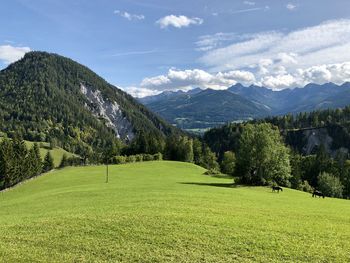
pixel 107 173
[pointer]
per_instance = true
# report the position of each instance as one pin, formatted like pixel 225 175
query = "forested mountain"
pixel 268 102
pixel 304 132
pixel 46 97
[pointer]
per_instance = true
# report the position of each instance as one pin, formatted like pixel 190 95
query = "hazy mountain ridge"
pixel 205 108
pixel 251 102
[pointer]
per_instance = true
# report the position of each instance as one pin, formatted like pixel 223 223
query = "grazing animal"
pixel 277 188
pixel 318 193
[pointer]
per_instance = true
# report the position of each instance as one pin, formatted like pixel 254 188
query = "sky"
pixel 148 46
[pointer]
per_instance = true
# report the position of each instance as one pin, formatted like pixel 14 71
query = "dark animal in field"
pixel 277 188
pixel 318 193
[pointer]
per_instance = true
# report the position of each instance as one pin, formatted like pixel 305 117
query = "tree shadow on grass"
pixel 226 185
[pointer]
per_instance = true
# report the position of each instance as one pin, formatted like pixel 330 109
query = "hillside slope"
pixel 45 96
pixel 166 212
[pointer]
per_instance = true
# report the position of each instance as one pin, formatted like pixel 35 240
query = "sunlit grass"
pixel 166 212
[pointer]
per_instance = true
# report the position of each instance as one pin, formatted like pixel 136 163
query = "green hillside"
pixel 44 147
pixel 56 153
pixel 166 212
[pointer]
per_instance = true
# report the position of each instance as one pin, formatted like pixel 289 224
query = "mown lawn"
pixel 166 212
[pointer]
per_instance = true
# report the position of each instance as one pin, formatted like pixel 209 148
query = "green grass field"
pixel 166 212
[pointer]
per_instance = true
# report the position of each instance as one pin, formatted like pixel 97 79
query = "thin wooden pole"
pixel 107 174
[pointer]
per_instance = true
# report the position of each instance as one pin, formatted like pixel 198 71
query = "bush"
pixel 158 156
pixel 212 172
pixel 139 157
pixel 330 185
pixel 306 187
pixel 119 159
pixel 148 157
pixel 131 159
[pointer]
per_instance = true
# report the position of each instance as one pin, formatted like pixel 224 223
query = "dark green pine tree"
pixel 33 162
pixel 19 168
pixel 6 163
pixel 48 163
pixel 64 161
pixel 37 160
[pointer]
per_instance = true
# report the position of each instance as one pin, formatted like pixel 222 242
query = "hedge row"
pixel 120 159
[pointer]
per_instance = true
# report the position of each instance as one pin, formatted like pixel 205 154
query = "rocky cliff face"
pixel 110 112
pixel 308 141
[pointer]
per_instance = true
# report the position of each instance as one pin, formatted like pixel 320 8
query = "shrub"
pixel 148 157
pixel 119 159
pixel 305 186
pixel 330 185
pixel 139 157
pixel 131 159
pixel 158 156
pixel 212 172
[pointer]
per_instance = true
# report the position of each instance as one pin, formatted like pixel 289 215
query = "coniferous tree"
pixel 64 161
pixel 6 164
pixel 48 162
pixel 37 159
pixel 33 162
pixel 19 167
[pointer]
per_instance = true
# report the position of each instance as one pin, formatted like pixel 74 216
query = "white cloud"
pixel 244 77
pixel 178 21
pixel 138 92
pixel 129 16
pixel 249 3
pixel 277 78
pixel 9 54
pixel 187 79
pixel 325 43
pixel 320 74
pixel 291 6
pixel 279 82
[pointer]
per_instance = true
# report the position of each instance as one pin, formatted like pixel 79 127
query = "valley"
pixel 202 109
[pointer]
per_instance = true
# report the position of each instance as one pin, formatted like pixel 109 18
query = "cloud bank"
pixel 274 59
pixel 10 54
pixel 322 44
pixel 187 79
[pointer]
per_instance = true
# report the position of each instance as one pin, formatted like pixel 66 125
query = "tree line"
pixel 18 163
pixel 269 151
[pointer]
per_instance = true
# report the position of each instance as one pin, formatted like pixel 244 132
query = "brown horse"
pixel 318 193
pixel 277 188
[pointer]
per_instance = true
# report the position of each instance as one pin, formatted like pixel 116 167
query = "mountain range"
pixel 46 97
pixel 198 109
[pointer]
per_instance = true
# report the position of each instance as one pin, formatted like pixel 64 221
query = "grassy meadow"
pixel 166 212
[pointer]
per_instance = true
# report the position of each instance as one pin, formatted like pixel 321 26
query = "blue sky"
pixel 149 46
